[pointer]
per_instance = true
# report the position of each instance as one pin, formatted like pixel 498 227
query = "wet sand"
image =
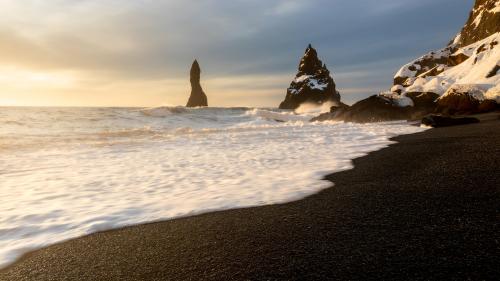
pixel 426 208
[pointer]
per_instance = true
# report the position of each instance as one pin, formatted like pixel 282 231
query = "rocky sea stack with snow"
pixel 312 84
pixel 198 97
pixel 461 78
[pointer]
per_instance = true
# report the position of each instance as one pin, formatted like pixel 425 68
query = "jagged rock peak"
pixel 195 71
pixel 198 97
pixel 310 64
pixel 312 84
pixel 484 21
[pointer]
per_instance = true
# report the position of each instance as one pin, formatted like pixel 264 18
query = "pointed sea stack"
pixel 312 84
pixel 198 97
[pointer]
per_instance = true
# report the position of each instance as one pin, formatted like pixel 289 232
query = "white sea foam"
pixel 67 172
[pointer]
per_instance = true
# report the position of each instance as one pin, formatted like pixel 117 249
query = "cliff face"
pixel 198 97
pixel 484 20
pixel 472 58
pixel 461 78
pixel 312 84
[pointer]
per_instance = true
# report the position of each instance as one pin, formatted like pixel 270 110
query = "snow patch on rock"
pixel 493 94
pixel 315 84
pixel 302 78
pixel 483 59
pixel 472 90
pixel 396 99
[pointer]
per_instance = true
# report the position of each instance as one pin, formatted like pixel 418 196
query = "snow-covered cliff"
pixel 472 58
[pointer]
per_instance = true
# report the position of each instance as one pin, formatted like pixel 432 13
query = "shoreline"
pixel 380 220
pixel 164 186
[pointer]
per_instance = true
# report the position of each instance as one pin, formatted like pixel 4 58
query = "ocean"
pixel 68 172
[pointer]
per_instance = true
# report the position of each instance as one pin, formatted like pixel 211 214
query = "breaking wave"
pixel 144 165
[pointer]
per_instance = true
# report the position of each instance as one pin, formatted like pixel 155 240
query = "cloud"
pixel 152 41
pixel 287 8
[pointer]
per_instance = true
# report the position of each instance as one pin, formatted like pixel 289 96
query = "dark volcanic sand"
pixel 426 208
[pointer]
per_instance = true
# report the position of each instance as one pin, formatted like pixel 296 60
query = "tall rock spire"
pixel 198 97
pixel 312 84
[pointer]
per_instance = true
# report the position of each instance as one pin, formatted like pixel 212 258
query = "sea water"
pixel 68 172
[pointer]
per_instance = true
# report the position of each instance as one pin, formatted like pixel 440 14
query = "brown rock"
pixel 488 106
pixel 375 109
pixel 493 71
pixel 198 97
pixel 488 23
pixel 438 121
pixel 457 102
pixel 423 99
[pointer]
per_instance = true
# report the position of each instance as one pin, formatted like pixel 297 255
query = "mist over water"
pixel 67 172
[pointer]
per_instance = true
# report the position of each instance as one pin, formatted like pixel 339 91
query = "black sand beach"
pixel 426 208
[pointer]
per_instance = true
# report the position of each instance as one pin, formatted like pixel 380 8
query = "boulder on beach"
pixel 377 108
pixel 312 84
pixel 423 99
pixel 198 97
pixel 438 121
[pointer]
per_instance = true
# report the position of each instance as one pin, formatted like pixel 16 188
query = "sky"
pixel 138 53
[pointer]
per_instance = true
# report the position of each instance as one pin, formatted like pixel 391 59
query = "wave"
pixel 109 126
pixel 271 114
pixel 163 111
pixel 280 116
pixel 208 167
pixel 11 122
pixel 312 108
pixel 145 131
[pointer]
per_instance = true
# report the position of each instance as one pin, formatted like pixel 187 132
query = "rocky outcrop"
pixel 461 78
pixel 465 99
pixel 431 64
pixel 376 108
pixel 438 121
pixel 198 97
pixel 484 20
pixel 488 106
pixel 312 84
pixel 425 100
pixel 436 72
pixel 471 58
pixel 459 101
pixel 382 107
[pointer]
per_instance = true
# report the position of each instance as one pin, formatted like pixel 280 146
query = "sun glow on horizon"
pixel 19 76
pixel 26 87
